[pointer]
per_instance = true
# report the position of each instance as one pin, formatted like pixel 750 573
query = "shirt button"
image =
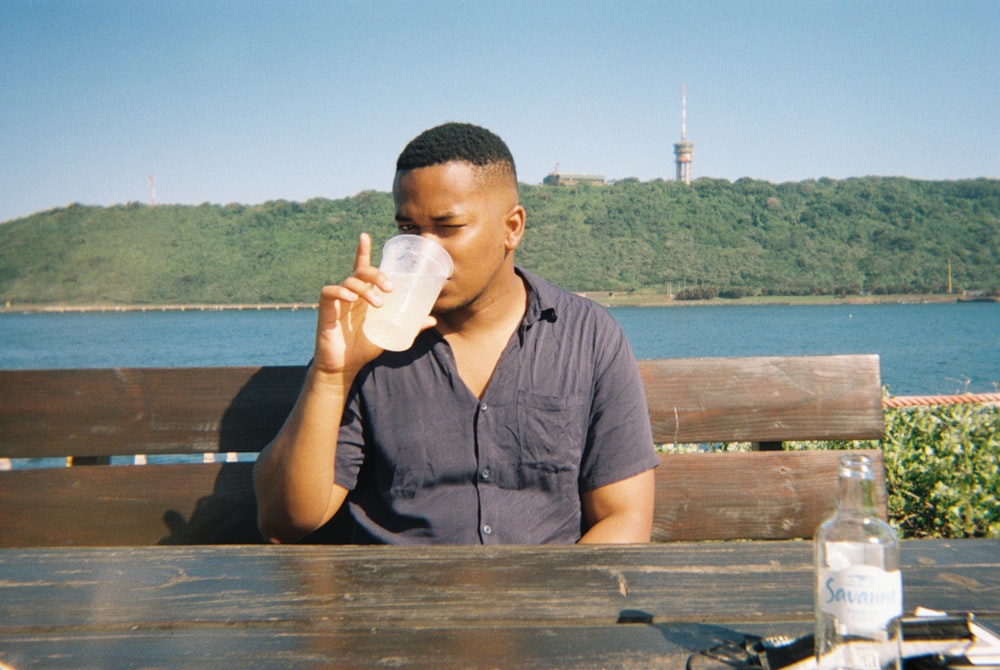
pixel 485 474
pixel 487 529
pixel 483 407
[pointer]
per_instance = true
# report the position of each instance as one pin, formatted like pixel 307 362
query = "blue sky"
pixel 255 101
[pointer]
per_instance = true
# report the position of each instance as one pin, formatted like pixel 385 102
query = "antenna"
pixel 152 189
pixel 684 113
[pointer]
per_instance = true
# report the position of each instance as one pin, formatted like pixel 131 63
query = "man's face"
pixel 478 222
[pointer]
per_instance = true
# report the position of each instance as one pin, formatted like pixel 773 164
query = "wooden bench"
pixel 93 415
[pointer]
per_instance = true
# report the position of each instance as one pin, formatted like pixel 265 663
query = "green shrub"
pixel 736 292
pixel 942 467
pixel 943 470
pixel 697 293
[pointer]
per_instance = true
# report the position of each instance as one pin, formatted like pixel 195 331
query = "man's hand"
pixel 340 344
pixel 294 475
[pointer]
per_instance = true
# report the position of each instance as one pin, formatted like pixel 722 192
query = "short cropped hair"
pixel 460 142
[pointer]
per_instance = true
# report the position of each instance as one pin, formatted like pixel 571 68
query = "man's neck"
pixel 478 338
pixel 501 308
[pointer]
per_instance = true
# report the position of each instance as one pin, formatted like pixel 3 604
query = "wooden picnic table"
pixel 444 607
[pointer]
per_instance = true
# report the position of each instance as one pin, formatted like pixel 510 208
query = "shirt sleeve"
pixel 350 443
pixel 619 439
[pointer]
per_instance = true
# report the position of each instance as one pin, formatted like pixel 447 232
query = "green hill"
pixel 824 237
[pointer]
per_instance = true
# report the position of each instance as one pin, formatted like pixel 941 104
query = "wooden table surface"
pixel 444 607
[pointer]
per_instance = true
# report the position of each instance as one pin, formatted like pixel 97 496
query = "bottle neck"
pixel 856 489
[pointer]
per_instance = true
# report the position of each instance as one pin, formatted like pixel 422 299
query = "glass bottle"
pixel 859 588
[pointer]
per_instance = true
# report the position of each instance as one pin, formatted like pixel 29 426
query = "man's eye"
pixel 406 228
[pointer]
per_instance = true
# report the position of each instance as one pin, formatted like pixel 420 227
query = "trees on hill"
pixel 871 235
pixel 877 235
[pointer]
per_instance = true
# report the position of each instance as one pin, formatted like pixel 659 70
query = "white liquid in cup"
pixel 418 268
pixel 395 324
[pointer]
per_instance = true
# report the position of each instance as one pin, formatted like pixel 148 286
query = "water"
pixel 156 339
pixel 935 348
pixel 924 348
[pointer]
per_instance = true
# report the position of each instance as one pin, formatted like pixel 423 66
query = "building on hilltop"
pixel 557 178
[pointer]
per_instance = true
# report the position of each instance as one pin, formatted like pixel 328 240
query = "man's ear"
pixel 514 227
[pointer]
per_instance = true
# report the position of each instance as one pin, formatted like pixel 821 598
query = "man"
pixel 517 416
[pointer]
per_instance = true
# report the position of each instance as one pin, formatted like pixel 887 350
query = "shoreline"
pixel 195 307
pixel 605 298
pixel 645 299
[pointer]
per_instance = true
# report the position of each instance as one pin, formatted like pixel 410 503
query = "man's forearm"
pixel 293 476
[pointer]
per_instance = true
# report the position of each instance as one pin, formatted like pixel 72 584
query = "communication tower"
pixel 684 150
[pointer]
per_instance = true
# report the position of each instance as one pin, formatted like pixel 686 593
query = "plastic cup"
pixel 417 267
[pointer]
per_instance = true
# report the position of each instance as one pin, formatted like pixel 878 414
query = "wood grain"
pixel 544 607
pixel 94 414
pixel 765 495
pixel 124 411
pixel 764 399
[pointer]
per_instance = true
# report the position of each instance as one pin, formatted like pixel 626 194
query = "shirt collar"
pixel 541 299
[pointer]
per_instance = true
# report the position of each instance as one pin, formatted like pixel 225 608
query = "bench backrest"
pixel 91 415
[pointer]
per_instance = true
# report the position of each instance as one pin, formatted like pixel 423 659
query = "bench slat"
pixel 184 503
pixel 750 495
pixel 128 505
pixel 722 496
pixel 124 411
pixel 764 399
pixel 94 414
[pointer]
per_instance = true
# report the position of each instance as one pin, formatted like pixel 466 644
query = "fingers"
pixel 340 343
pixel 366 273
pixel 334 292
pixel 334 300
pixel 363 256
pixel 429 322
pixel 355 287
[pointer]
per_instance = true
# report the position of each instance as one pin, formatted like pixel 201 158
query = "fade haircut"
pixel 461 142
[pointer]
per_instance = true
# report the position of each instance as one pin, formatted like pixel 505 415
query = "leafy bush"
pixel 697 293
pixel 943 470
pixel 735 292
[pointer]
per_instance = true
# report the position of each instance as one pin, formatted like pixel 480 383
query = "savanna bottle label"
pixel 862 598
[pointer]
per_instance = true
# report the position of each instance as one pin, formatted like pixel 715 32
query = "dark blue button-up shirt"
pixel 564 412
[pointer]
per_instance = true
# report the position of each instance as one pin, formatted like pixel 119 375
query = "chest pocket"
pixel 551 431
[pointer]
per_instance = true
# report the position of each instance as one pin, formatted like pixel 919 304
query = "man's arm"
pixel 621 512
pixel 294 475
